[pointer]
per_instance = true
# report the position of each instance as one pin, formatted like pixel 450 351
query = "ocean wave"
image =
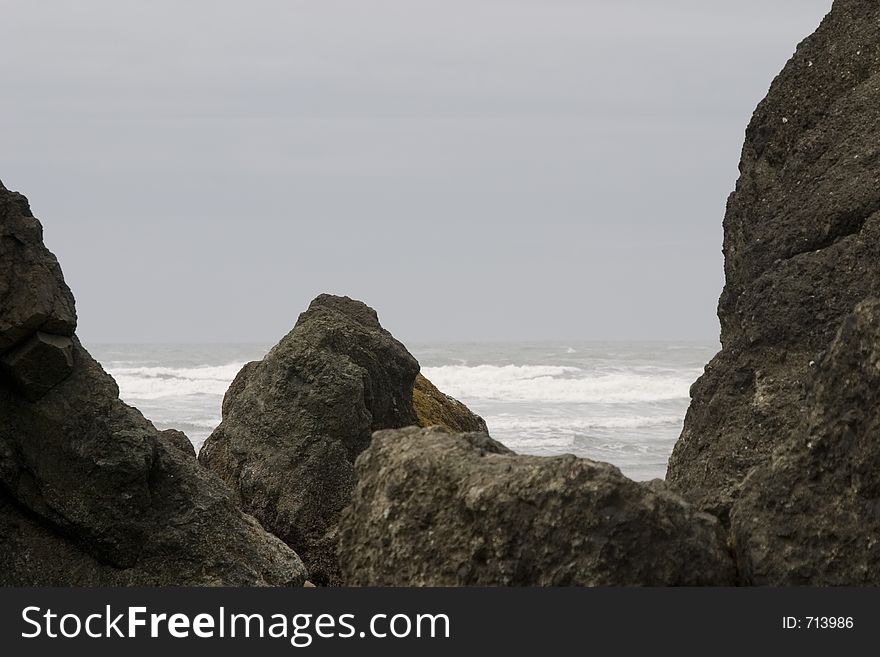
pixel 574 425
pixel 543 383
pixel 160 382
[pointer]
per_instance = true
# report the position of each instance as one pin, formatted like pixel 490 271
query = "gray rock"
pixel 438 509
pixel 39 364
pixel 294 423
pixel 33 295
pixel 801 247
pixel 178 440
pixel 90 493
pixel 810 515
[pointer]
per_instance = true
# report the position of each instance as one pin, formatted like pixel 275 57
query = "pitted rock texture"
pixel 801 248
pixel 810 515
pixel 438 509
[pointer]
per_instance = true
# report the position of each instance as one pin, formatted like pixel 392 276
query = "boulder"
pixel 90 493
pixel 801 248
pixel 294 423
pixel 433 407
pixel 434 508
pixel 810 515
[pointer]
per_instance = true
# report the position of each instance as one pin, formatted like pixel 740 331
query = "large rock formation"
pixel 811 513
pixel 438 509
pixel 294 423
pixel 801 246
pixel 90 492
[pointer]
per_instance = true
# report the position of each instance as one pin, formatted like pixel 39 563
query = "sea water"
pixel 623 403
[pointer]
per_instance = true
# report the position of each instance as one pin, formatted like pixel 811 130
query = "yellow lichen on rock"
pixel 435 408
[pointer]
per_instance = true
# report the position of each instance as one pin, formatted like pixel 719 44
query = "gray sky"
pixel 473 169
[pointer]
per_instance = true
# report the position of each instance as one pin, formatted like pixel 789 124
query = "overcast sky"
pixel 473 169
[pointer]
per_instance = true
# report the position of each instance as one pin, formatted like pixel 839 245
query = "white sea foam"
pixel 578 425
pixel 544 383
pixel 160 382
pixel 617 403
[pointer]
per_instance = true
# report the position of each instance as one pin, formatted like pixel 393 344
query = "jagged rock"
pixel 90 493
pixel 179 441
pixel 433 407
pixel 438 509
pixel 33 295
pixel 39 364
pixel 294 423
pixel 801 247
pixel 811 514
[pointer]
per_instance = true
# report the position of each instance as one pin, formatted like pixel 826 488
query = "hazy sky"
pixel 473 169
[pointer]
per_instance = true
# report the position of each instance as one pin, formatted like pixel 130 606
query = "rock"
pixel 39 364
pixel 433 407
pixel 438 509
pixel 33 295
pixel 90 492
pixel 801 247
pixel 178 440
pixel 294 423
pixel 810 515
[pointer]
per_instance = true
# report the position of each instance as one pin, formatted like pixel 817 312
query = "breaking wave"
pixel 161 382
pixel 541 383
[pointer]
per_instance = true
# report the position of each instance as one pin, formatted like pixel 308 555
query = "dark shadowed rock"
pixel 90 493
pixel 294 423
pixel 39 364
pixel 801 247
pixel 811 514
pixel 33 295
pixel 435 408
pixel 438 509
pixel 178 440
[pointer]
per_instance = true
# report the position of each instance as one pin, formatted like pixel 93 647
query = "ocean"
pixel 619 402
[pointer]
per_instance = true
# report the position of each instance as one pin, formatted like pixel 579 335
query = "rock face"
pixel 811 514
pixel 41 363
pixel 294 423
pixel 179 441
pixel 33 295
pixel 801 247
pixel 436 408
pixel 438 509
pixel 90 493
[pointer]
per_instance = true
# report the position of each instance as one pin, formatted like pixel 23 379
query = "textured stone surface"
pixel 438 509
pixel 90 493
pixel 436 408
pixel 178 440
pixel 801 247
pixel 811 514
pixel 39 363
pixel 294 423
pixel 33 295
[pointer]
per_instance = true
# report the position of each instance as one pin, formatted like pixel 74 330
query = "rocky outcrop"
pixel 810 515
pixel 438 509
pixel 33 295
pixel 294 423
pixel 434 408
pixel 90 493
pixel 801 247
